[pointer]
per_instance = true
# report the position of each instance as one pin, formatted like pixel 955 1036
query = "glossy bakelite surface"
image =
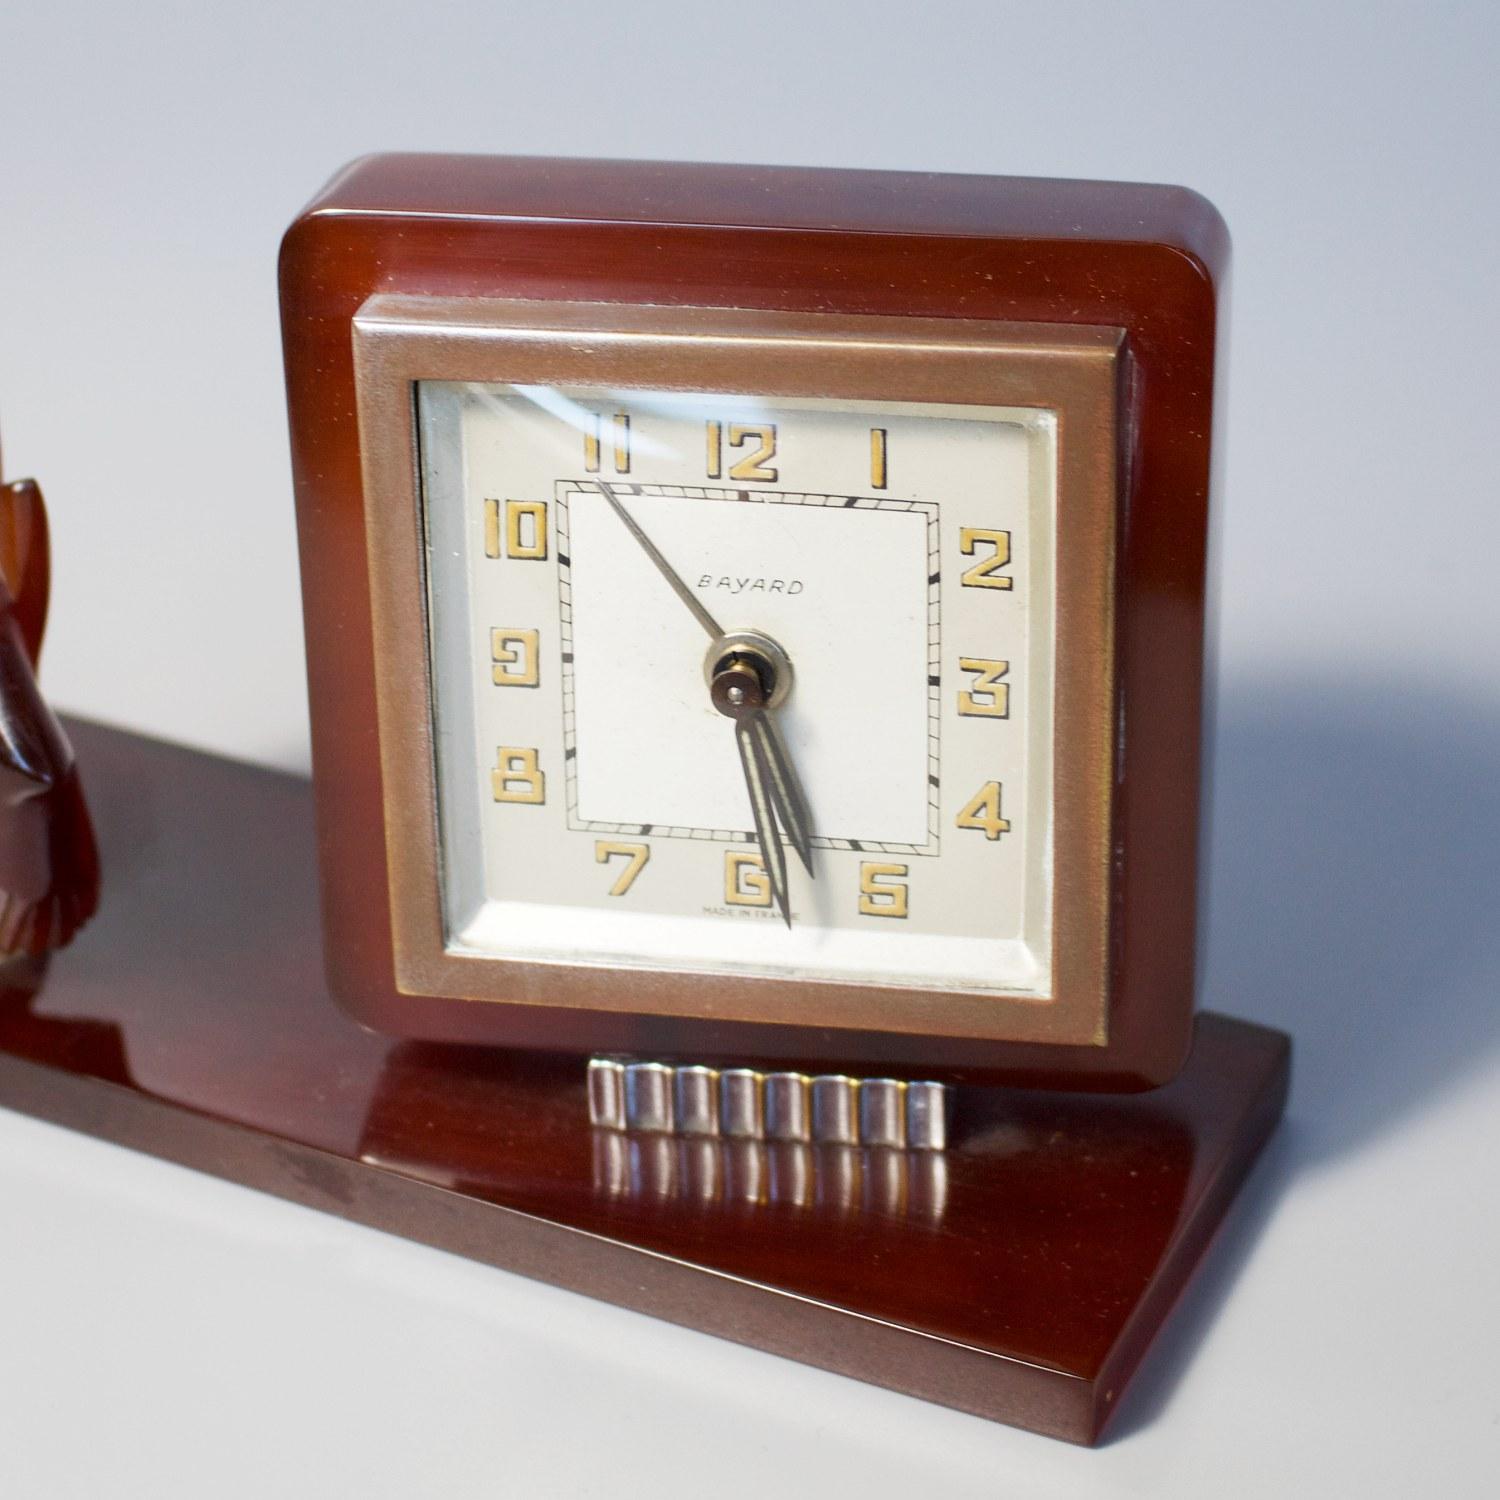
pixel 1148 260
pixel 1020 1275
pixel 49 863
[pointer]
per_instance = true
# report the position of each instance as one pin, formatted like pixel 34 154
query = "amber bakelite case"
pixel 1147 261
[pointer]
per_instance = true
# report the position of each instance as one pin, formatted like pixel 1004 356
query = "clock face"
pixel 608 568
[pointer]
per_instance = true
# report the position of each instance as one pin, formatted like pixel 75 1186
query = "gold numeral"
pixel 877 457
pixel 993 701
pixel 517 662
pixel 591 444
pixel 982 811
pixel 517 513
pixel 745 879
pixel 517 777
pixel 757 464
pixel 882 890
pixel 635 854
pixel 985 574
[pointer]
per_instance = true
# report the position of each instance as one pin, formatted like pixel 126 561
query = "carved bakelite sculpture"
pixel 49 863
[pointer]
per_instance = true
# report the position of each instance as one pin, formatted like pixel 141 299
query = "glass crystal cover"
pixel 593 805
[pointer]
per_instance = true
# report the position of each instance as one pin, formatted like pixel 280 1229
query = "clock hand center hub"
pixel 746 672
pixel 737 688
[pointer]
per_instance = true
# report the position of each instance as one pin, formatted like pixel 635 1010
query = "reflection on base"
pixel 723 1173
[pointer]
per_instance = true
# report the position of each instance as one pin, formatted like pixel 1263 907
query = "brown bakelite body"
pixel 1148 261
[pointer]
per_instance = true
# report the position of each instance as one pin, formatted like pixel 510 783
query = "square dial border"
pixel 563 488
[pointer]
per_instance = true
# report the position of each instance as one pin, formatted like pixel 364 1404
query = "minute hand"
pixel 783 786
pixel 667 571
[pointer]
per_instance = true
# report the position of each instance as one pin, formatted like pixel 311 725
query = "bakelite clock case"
pixel 1096 301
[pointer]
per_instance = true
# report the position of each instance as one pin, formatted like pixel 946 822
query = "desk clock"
pixel 758 614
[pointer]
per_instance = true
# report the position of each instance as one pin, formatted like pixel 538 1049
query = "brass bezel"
pixel 1069 369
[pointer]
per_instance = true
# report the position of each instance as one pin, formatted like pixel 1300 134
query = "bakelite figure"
pixel 49 862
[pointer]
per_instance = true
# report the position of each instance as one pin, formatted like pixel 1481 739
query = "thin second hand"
pixel 665 568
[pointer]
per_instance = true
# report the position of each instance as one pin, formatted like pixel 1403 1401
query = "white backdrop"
pixel 150 157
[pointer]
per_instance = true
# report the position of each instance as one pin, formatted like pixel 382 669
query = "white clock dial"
pixel 592 802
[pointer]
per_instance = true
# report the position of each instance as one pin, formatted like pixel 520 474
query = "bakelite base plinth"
pixel 1020 1275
